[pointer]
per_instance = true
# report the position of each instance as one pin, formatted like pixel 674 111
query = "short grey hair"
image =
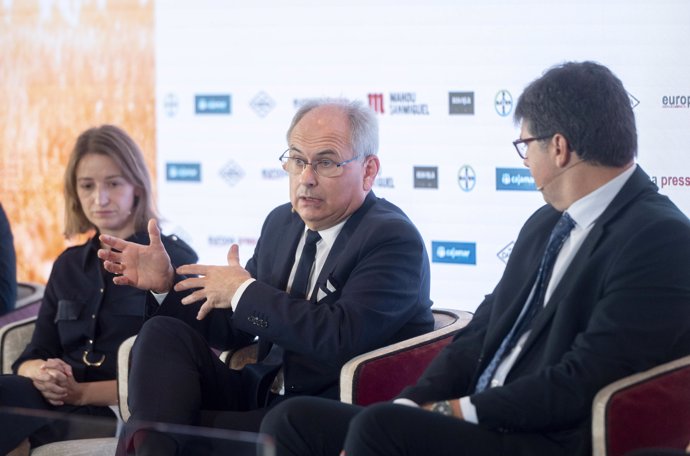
pixel 364 126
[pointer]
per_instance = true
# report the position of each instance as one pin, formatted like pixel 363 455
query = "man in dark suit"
pixel 597 288
pixel 368 286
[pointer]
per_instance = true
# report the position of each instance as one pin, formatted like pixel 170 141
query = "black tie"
pixel 306 261
pixel 268 367
pixel 558 236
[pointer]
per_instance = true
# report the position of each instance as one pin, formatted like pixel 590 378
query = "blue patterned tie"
pixel 306 261
pixel 558 236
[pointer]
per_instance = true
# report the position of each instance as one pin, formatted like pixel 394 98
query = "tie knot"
pixel 559 234
pixel 312 237
pixel 565 224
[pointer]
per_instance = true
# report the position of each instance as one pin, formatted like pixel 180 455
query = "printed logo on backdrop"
pixel 231 173
pixel 505 252
pixel 514 179
pixel 453 252
pixel 675 101
pixel 405 103
pixel 633 101
pixel 183 172
pixel 671 181
pixel 426 177
pixel 213 104
pixel 171 105
pixel 262 104
pixel 376 102
pixel 461 103
pixel 223 240
pixel 384 182
pixel 503 103
pixel 467 178
pixel 273 173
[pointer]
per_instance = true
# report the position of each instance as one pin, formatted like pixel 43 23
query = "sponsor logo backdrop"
pixel 443 77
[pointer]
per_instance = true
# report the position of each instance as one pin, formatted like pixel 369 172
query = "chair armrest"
pixel 123 353
pixel 28 293
pixel 14 337
pixel 379 375
pixel 644 410
pixel 238 358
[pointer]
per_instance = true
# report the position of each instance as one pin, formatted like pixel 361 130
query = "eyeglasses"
pixel 521 145
pixel 324 167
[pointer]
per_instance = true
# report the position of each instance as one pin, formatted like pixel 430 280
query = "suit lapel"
pixel 285 258
pixel 341 242
pixel 639 182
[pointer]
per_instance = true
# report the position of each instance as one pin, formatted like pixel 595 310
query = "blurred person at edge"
pixel 70 364
pixel 8 265
pixel 367 287
pixel 520 378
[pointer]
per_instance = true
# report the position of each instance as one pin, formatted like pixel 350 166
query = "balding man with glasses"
pixel 597 287
pixel 335 273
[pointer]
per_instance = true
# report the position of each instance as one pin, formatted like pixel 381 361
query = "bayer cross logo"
pixel 170 105
pixel 466 178
pixel 503 103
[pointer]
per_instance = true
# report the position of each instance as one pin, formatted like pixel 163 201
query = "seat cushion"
pixel 83 447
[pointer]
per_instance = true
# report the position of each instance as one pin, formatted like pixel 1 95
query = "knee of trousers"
pixel 371 418
pixel 281 418
pixel 166 334
pixel 162 328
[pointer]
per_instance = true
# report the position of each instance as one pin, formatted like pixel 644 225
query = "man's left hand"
pixel 215 284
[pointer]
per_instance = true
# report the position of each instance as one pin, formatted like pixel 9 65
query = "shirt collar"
pixel 587 209
pixel 329 235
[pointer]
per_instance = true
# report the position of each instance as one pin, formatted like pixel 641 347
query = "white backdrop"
pixel 442 75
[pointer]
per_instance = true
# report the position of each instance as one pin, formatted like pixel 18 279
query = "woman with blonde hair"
pixel 70 364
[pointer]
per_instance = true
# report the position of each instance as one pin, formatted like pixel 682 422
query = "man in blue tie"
pixel 597 287
pixel 335 273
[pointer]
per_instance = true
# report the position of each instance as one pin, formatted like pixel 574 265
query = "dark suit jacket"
pixel 376 286
pixel 622 306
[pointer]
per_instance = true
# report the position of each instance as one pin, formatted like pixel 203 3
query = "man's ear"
pixel 561 149
pixel 371 169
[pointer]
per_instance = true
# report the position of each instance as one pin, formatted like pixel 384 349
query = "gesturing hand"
pixel 216 284
pixel 146 267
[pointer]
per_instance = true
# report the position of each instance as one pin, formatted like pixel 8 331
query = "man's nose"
pixel 308 175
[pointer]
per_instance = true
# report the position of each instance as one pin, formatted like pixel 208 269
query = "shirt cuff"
pixel 469 411
pixel 238 294
pixel 159 297
pixel 405 401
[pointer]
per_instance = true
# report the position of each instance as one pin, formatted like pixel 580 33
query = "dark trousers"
pixel 176 378
pixel 25 413
pixel 312 426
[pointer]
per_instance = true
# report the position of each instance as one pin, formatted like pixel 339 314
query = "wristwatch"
pixel 442 407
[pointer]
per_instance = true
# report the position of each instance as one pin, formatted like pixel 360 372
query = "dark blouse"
pixel 82 304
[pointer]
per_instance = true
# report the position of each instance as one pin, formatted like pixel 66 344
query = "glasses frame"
pixel 284 160
pixel 519 142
